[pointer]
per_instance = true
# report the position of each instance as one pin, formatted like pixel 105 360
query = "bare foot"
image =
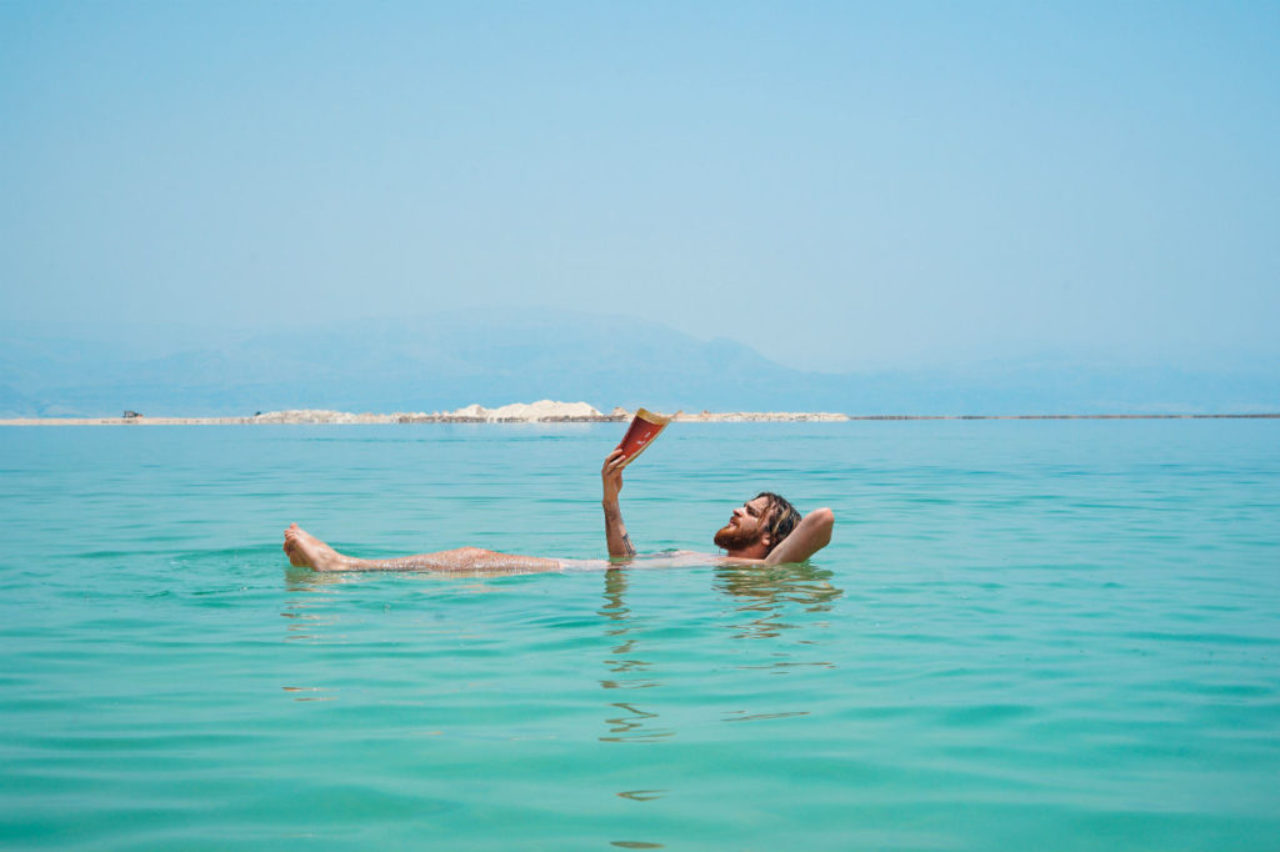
pixel 307 551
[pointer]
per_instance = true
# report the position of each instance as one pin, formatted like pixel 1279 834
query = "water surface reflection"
pixel 311 595
pixel 625 668
pixel 771 596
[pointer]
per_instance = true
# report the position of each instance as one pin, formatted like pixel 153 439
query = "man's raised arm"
pixel 615 530
pixel 811 535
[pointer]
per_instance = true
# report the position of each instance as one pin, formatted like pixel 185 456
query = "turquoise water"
pixel 1025 635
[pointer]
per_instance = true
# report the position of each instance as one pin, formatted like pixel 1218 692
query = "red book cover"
pixel 645 426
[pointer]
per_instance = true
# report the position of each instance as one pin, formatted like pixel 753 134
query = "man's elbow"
pixel 824 520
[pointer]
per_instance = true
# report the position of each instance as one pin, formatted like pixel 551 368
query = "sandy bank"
pixel 548 411
pixel 543 411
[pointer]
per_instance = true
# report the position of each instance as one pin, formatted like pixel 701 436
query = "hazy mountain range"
pixel 450 360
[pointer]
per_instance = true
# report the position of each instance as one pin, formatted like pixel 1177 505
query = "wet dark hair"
pixel 782 517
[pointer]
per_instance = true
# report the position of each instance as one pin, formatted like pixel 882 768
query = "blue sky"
pixel 842 186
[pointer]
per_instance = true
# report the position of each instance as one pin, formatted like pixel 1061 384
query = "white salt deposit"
pixel 543 409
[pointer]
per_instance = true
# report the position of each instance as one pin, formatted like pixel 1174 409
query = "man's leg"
pixel 307 551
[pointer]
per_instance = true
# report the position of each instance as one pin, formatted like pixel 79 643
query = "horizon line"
pixel 347 419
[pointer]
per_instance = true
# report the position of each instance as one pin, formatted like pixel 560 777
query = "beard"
pixel 731 538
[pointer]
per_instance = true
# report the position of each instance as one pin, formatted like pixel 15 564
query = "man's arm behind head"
pixel 811 535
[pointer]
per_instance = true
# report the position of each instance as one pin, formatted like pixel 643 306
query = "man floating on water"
pixel 766 530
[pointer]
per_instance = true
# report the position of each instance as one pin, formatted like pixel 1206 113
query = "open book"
pixel 645 426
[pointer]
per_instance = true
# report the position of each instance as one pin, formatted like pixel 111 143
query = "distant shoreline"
pixel 304 417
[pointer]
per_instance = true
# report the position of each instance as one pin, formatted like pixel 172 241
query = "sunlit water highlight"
pixel 1024 636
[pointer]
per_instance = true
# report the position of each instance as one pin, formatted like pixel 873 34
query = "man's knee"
pixel 470 558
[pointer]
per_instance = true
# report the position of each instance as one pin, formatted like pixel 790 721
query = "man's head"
pixel 760 524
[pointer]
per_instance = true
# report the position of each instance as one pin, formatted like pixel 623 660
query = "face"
pixel 746 526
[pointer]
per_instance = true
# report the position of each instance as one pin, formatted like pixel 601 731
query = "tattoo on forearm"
pixel 615 530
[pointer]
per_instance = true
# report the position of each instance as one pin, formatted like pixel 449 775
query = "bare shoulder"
pixel 738 560
pixel 695 557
